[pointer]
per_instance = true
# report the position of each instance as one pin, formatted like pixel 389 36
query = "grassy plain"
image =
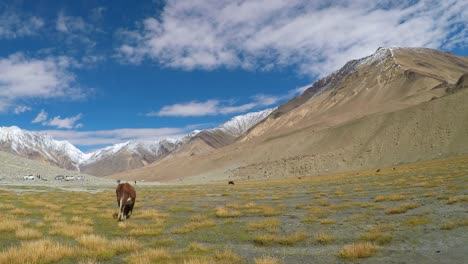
pixel 410 213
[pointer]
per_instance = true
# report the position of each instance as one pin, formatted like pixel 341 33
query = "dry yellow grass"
pixel 320 211
pixel 198 217
pixel 377 235
pixel 270 224
pixel 146 231
pixel 158 255
pixel 309 219
pixel 402 208
pixel 20 212
pixel 390 197
pixel 418 220
pixel 88 261
pixel 268 239
pixel 224 212
pixel 324 203
pixel 70 230
pixel 456 199
pixel 192 226
pixel 266 260
pixel 10 224
pixel 150 214
pixel 40 251
pixel 227 256
pixel 102 248
pixel 81 220
pixel 327 221
pixel 167 241
pixel 27 233
pixel 4 207
pixel 197 247
pixel 454 224
pixel 358 250
pixel 199 260
pixel 267 210
pixel 324 238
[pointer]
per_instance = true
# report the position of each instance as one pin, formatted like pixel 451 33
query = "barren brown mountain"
pixel 396 106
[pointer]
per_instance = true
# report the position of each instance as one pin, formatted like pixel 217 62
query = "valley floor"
pixel 408 214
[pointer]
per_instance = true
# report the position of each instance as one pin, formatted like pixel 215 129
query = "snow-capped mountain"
pixel 125 156
pixel 40 146
pixel 238 125
pixel 119 157
pixel 228 132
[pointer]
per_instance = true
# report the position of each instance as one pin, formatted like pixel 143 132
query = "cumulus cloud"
pixel 25 78
pixel 41 117
pixel 193 108
pixel 216 107
pixel 13 25
pixel 316 37
pixel 67 122
pixel 107 137
pixel 58 121
pixel 21 109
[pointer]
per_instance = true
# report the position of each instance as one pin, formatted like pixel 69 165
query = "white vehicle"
pixel 28 177
pixel 69 178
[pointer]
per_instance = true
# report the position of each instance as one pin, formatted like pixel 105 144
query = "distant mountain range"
pixel 118 157
pixel 398 105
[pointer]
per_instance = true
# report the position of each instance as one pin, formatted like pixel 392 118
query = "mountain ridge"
pixel 117 157
pixel 392 80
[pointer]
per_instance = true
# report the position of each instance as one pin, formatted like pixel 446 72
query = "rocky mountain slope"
pixel 124 156
pixel 396 106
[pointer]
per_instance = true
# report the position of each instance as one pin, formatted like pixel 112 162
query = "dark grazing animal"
pixel 126 197
pixel 231 182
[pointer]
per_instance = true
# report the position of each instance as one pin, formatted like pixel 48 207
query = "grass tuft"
pixel 324 238
pixel 390 197
pixel 158 255
pixel 225 212
pixel 40 251
pixel 266 260
pixel 358 250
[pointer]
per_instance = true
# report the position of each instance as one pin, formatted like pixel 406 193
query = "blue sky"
pixel 103 72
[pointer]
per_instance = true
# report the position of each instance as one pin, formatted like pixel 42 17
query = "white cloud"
pixel 68 24
pixel 299 90
pixel 317 37
pixel 193 108
pixel 75 30
pixel 41 117
pixel 13 25
pixel 216 107
pixel 107 137
pixel 21 109
pixel 67 122
pixel 58 121
pixel 26 78
pixel 97 13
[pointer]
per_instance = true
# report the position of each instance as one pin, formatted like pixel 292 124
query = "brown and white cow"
pixel 126 197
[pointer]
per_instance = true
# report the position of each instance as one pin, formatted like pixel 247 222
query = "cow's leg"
pixel 121 209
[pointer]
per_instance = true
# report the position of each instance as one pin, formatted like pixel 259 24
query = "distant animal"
pixel 378 170
pixel 126 197
pixel 231 182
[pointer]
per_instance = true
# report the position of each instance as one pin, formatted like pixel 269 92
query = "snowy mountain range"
pixel 118 157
